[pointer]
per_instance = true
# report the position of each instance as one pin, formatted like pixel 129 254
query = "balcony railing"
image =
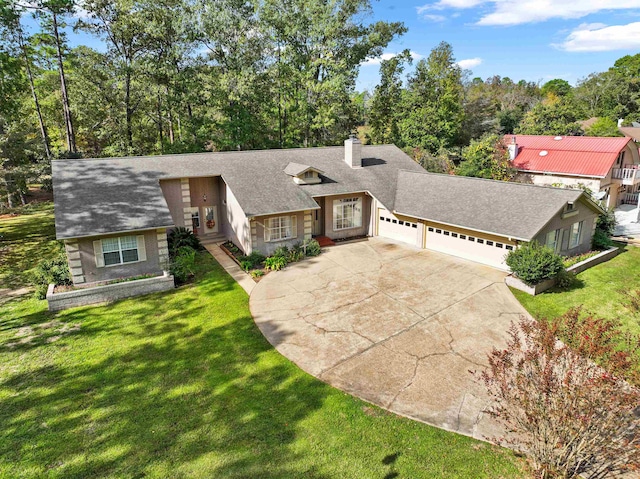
pixel 629 176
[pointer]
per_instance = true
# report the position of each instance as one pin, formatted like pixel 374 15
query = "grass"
pixel 24 241
pixel 599 291
pixel 183 384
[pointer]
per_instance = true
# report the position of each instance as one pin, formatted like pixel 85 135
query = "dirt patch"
pixel 48 332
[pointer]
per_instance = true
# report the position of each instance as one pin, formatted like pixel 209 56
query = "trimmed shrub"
pixel 183 264
pixel 54 270
pixel 311 247
pixel 179 237
pixel 533 263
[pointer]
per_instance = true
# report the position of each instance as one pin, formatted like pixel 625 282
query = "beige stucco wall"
pixel 586 214
pixel 173 195
pixel 237 227
pixel 267 248
pixel 92 273
pixel 346 233
pixel 593 184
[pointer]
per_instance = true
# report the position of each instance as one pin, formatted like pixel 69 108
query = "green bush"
pixel 296 253
pixel 251 261
pixel 256 273
pixel 179 237
pixel 311 247
pixel 601 240
pixel 533 263
pixel 275 263
pixel 281 252
pixel 183 264
pixel 54 270
pixel 565 279
pixel 606 222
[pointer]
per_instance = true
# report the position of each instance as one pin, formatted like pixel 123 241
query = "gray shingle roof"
pixel 509 209
pixel 100 196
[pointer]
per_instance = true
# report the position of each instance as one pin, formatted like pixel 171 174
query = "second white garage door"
pixel 474 248
pixel 392 227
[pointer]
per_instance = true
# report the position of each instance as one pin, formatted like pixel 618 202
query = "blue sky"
pixel 535 40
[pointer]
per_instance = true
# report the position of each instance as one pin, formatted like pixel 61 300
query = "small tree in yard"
pixel 571 416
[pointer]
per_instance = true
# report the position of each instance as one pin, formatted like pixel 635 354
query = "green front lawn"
pixel 25 240
pixel 183 384
pixel 600 291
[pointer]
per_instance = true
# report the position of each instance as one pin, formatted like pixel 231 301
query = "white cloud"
pixel 434 18
pixel 517 12
pixel 443 4
pixel 387 56
pixel 469 63
pixel 596 37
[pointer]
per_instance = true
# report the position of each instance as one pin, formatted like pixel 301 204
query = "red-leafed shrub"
pixel 570 415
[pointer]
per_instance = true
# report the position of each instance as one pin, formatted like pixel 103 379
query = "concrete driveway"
pixel 394 325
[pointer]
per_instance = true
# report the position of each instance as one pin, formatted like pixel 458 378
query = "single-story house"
pixel 609 167
pixel 114 213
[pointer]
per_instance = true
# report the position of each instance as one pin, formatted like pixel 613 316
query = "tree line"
pixel 177 76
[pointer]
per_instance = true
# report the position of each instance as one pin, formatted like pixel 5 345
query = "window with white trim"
pixel 576 232
pixel 347 213
pixel 309 174
pixel 280 228
pixel 551 239
pixel 123 249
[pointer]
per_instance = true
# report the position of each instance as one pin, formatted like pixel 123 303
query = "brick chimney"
pixel 513 149
pixel 353 152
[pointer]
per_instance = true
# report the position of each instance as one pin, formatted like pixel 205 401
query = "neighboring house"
pixel 632 131
pixel 113 214
pixel 609 167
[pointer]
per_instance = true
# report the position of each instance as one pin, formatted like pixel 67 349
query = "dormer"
pixel 304 174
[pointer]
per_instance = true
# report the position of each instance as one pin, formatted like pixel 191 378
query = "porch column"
pixel 163 248
pixel 73 259
pixel 186 203
pixel 308 225
pixel 254 234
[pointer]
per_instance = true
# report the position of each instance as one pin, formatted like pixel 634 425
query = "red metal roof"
pixel 571 155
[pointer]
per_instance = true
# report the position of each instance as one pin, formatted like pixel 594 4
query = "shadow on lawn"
pixel 187 396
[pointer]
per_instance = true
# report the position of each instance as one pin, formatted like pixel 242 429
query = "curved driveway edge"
pixel 394 325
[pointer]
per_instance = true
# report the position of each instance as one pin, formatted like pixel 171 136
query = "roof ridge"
pixel 200 153
pixel 548 187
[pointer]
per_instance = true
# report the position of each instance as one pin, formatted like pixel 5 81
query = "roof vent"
pixel 558 138
pixel 543 153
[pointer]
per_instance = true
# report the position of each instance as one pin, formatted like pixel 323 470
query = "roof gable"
pixel 508 209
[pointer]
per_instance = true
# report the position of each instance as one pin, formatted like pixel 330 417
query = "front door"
pixel 317 222
pixel 210 219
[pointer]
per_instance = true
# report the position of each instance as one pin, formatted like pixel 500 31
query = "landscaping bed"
pixel 258 265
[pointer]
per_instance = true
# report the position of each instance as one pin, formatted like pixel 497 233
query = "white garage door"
pixel 390 226
pixel 481 250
